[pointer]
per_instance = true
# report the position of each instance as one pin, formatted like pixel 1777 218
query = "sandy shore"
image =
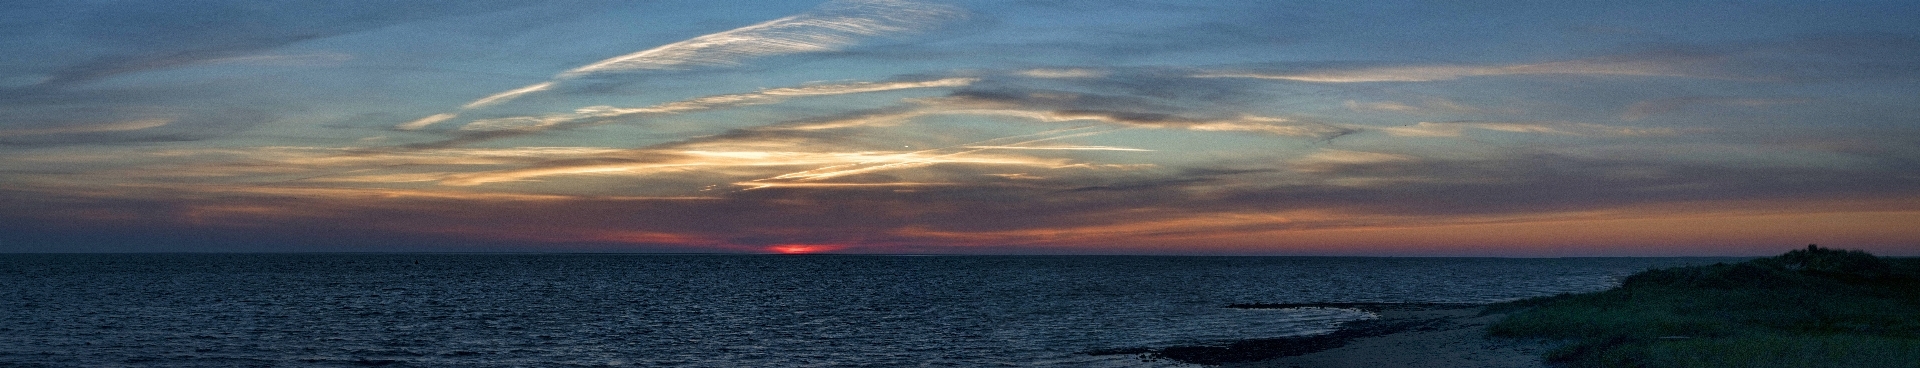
pixel 1422 336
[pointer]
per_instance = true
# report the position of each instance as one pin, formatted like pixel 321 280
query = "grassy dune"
pixel 1813 307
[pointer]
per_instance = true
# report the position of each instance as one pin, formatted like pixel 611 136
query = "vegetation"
pixel 1814 307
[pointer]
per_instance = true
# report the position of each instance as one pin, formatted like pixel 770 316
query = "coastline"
pixel 1405 335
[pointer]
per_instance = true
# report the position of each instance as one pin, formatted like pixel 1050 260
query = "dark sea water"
pixel 707 310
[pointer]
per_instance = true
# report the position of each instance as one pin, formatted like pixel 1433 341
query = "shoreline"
pixel 1404 335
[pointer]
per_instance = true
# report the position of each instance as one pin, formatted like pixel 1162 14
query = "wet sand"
pixel 1417 335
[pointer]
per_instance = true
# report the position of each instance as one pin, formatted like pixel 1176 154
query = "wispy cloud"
pixel 508 95
pixel 1833 57
pixel 123 126
pixel 1644 109
pixel 1354 157
pixel 767 184
pixel 831 165
pixel 833 26
pixel 308 59
pixel 424 122
pixel 1063 73
pixel 765 96
pixel 1429 104
pixel 134 38
pixel 957 154
pixel 1063 148
pixel 1428 73
pixel 1457 128
pixel 768 152
pixel 1053 106
pixel 387 193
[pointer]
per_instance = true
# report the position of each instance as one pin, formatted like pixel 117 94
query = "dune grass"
pixel 1813 307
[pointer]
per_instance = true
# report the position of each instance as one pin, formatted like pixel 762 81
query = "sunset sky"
pixel 1421 128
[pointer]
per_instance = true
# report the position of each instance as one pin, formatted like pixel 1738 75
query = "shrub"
pixel 1832 303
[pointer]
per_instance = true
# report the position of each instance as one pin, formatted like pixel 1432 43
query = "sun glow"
pixel 804 248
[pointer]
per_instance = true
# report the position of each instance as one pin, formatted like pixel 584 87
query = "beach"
pixel 1415 335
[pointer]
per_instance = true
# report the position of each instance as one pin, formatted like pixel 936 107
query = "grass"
pixel 1814 307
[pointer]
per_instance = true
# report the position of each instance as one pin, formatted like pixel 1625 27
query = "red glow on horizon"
pixel 804 248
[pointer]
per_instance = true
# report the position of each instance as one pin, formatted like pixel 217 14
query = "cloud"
pixel 1081 126
pixel 1544 183
pixel 1380 106
pixel 1062 148
pixel 1345 157
pixel 1824 57
pixel 508 95
pixel 131 38
pixel 772 152
pixel 388 193
pixel 280 166
pixel 1644 109
pixel 1034 104
pixel 71 126
pixel 773 95
pixel 1321 189
pixel 585 167
pixel 307 59
pixel 774 145
pixel 1429 104
pixel 1056 106
pixel 1457 128
pixel 424 122
pixel 590 114
pixel 1428 73
pixel 965 153
pixel 888 116
pixel 130 125
pixel 833 26
pixel 1063 73
pixel 738 158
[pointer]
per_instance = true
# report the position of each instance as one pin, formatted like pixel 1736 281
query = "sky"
pixel 1389 128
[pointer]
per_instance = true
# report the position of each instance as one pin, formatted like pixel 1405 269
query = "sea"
pixel 653 310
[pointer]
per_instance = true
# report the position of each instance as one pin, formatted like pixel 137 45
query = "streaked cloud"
pixel 1066 107
pixel 1065 148
pixel 835 25
pixel 135 39
pixel 1063 73
pixel 831 27
pixel 383 193
pixel 508 95
pixel 123 126
pixel 765 96
pixel 1426 105
pixel 909 161
pixel 1354 157
pixel 308 59
pixel 1455 129
pixel 832 164
pixel 1428 73
pixel 773 95
pixel 424 122
pixel 1644 109
pixel 766 184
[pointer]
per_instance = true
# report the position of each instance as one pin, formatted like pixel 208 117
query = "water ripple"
pixel 706 311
